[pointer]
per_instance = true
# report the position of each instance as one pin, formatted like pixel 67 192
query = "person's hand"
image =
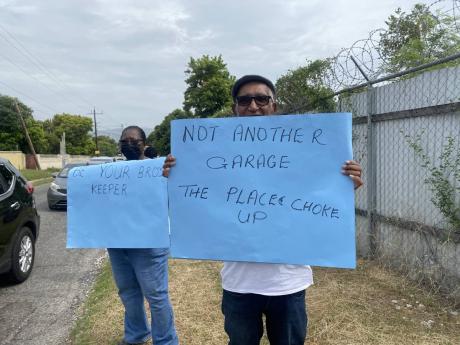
pixel 353 169
pixel 170 161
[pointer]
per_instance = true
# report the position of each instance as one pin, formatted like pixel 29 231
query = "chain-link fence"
pixel 406 136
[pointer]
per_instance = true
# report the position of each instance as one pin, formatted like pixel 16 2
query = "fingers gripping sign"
pixel 353 170
pixel 170 161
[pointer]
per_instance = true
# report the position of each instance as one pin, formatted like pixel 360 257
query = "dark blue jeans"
pixel 286 318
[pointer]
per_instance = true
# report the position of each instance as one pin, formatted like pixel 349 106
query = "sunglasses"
pixel 135 141
pixel 261 100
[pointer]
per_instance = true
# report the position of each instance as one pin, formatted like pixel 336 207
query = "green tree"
pixel 12 135
pixel 418 37
pixel 77 130
pixel 160 137
pixel 51 137
pixel 303 89
pixel 208 86
pixel 107 146
pixel 37 136
pixel 224 112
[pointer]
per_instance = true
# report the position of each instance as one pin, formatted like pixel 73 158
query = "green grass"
pixel 31 174
pixel 102 306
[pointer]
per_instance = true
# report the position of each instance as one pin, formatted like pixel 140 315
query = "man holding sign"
pixel 251 290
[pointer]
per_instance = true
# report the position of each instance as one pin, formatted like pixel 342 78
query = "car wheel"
pixel 23 255
pixel 51 207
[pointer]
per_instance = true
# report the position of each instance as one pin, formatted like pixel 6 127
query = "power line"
pixel 30 97
pixel 35 78
pixel 34 111
pixel 108 120
pixel 35 60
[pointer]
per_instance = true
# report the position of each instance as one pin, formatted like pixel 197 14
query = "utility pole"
pixel 62 150
pixel 26 132
pixel 95 130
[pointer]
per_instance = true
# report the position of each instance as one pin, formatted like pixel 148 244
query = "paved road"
pixel 42 309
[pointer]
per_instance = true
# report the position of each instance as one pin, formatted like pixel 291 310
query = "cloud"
pixel 130 17
pixel 15 8
pixel 128 58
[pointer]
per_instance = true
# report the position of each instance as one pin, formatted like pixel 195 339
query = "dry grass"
pixel 371 305
pixel 195 294
pixel 368 305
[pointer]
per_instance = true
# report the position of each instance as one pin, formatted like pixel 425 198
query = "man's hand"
pixel 170 161
pixel 352 169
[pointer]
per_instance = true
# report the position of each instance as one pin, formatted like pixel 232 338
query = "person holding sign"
pixel 251 290
pixel 142 273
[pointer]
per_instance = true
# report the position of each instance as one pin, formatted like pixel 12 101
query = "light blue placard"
pixel 118 205
pixel 263 189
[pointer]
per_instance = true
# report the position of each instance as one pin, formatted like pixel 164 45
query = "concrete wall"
pixel 58 161
pixel 17 158
pixel 363 247
pixel 422 256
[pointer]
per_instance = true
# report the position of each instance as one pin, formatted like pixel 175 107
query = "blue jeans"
pixel 139 274
pixel 286 318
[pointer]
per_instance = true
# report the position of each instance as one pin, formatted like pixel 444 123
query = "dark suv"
pixel 19 223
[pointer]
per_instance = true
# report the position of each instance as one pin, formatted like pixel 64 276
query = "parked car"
pixel 101 160
pixel 19 223
pixel 57 192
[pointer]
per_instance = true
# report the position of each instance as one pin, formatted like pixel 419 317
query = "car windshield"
pixel 65 171
pixel 101 159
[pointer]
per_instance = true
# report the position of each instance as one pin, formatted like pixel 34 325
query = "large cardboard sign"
pixel 263 189
pixel 118 205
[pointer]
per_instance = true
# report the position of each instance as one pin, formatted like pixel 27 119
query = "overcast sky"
pixel 127 58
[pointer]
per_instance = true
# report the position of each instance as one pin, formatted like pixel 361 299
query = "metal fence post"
pixel 371 170
pixel 371 161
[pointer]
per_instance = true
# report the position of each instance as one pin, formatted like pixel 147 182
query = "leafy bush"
pixel 443 179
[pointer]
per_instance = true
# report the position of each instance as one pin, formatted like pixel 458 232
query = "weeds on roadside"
pixel 443 179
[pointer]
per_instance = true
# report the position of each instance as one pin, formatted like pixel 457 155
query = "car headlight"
pixel 54 187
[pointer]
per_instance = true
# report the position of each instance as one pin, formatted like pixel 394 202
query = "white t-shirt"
pixel 265 279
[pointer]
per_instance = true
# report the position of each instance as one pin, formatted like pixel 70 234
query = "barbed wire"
pixel 343 72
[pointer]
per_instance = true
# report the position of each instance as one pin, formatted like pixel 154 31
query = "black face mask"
pixel 131 151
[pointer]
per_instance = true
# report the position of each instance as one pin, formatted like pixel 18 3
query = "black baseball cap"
pixel 250 79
